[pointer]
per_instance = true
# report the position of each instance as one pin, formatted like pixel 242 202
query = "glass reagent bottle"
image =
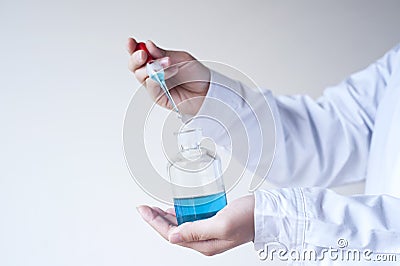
pixel 196 178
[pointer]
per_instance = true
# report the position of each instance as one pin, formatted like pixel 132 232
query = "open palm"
pixel 230 227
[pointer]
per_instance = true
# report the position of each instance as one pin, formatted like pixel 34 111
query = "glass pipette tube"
pixel 156 73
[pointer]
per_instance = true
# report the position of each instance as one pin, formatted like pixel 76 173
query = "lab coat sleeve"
pixel 321 142
pixel 315 218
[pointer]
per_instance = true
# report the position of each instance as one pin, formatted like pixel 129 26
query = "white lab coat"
pixel 351 133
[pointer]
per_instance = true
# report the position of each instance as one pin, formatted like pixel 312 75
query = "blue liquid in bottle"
pixel 198 208
pixel 196 179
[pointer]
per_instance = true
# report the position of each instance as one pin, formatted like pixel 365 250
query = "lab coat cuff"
pixel 221 89
pixel 279 218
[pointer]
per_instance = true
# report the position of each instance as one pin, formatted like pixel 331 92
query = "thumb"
pixel 196 231
pixel 154 50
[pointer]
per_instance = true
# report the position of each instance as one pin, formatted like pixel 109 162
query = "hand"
pixel 181 70
pixel 230 227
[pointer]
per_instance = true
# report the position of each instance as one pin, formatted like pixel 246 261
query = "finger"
pixel 171 211
pixel 137 60
pixel 155 220
pixel 171 218
pixel 157 94
pixel 131 45
pixel 170 70
pixel 209 247
pixel 141 73
pixel 197 231
pixel 154 50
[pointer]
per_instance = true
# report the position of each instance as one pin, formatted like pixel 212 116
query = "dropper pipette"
pixel 156 72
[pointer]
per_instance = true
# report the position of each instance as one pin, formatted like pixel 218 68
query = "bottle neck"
pixel 189 143
pixel 191 152
pixel 194 146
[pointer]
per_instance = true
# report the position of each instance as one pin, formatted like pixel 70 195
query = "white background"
pixel 66 197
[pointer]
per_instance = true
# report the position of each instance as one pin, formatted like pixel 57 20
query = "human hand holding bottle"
pixel 180 69
pixel 230 227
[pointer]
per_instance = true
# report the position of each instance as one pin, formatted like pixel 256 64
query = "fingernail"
pixel 141 212
pixel 175 238
pixel 164 61
pixel 140 56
